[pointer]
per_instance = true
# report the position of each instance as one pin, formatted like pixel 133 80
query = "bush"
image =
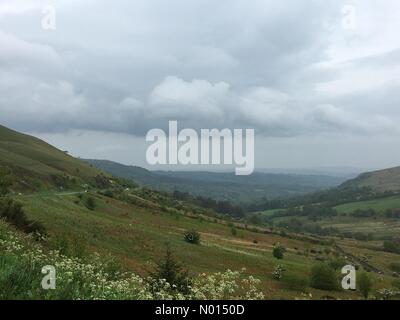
pixel 13 213
pixel 295 282
pixel 323 277
pixel 108 193
pixel 278 272
pixel 234 231
pixel 170 271
pixel 192 237
pixel 364 284
pixel 278 251
pixel 337 263
pixel 90 203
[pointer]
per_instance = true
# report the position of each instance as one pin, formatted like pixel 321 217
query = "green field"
pixel 137 237
pixel 379 205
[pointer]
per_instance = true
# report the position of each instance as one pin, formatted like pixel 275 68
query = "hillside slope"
pixel 133 225
pixel 379 181
pixel 37 165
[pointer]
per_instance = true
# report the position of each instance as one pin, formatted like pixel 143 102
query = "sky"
pixel 318 81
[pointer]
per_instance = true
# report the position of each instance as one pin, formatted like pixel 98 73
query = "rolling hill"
pixel 222 185
pixel 366 207
pixel 379 181
pixel 37 165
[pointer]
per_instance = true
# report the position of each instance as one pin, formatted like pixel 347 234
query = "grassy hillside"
pixel 134 226
pixel 380 181
pixel 137 235
pixel 37 165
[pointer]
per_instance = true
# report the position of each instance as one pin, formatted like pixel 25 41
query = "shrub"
pixel 278 272
pixel 90 203
pixel 172 272
pixel 234 231
pixel 13 213
pixel 364 284
pixel 323 277
pixel 192 236
pixel 108 193
pixel 337 263
pixel 294 282
pixel 278 251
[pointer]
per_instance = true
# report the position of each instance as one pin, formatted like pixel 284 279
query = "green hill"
pixel 379 181
pixel 37 165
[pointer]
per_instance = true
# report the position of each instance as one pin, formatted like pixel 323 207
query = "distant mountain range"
pixel 223 185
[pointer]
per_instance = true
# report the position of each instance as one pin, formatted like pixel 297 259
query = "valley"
pixel 83 213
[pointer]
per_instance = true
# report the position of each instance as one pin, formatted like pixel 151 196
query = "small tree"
pixel 192 236
pixel 13 213
pixel 278 272
pixel 90 203
pixel 173 273
pixel 278 251
pixel 364 283
pixel 234 231
pixel 337 263
pixel 323 277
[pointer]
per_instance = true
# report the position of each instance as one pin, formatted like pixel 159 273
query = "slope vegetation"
pixel 37 165
pixel 379 181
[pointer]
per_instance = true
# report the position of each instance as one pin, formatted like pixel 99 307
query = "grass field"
pixel 379 205
pixel 138 236
pixel 378 227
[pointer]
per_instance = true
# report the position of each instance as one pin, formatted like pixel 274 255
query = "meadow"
pixel 137 235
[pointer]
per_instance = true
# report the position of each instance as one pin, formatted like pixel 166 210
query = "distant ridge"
pixel 222 185
pixel 380 181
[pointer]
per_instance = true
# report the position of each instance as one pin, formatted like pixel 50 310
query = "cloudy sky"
pixel 318 80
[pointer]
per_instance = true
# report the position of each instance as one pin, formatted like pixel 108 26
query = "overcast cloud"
pixel 290 69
